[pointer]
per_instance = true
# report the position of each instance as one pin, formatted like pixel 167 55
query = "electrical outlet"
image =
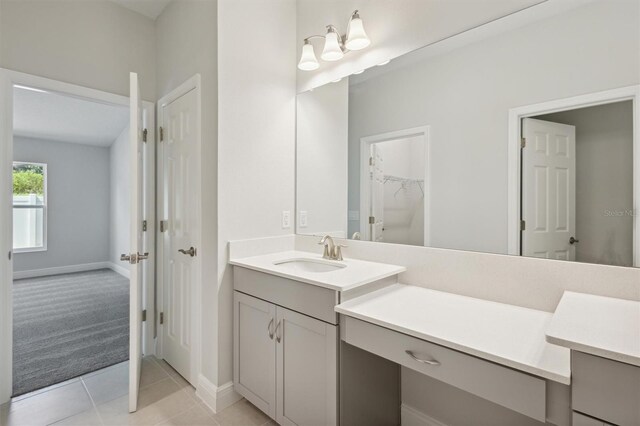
pixel 354 215
pixel 303 218
pixel 286 219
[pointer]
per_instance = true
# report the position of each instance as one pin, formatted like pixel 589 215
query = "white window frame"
pixel 43 207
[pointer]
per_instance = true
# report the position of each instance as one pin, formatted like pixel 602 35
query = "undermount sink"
pixel 309 265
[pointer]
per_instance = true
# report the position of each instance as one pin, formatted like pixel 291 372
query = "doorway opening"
pixel 65 294
pixel 394 187
pixel 576 188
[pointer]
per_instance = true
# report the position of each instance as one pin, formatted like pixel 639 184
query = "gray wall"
pixel 120 199
pixel 465 96
pixel 78 203
pixel 604 181
pixel 91 43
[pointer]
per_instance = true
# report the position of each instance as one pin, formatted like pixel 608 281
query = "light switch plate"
pixel 303 218
pixel 286 219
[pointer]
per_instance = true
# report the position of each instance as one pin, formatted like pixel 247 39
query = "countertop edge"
pixel 545 374
pixel 593 350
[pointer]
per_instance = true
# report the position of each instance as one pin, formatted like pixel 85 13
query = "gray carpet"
pixel 68 325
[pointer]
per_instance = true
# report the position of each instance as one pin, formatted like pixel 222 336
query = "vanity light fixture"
pixel 335 44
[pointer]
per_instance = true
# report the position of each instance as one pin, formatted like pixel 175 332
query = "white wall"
pixel 77 203
pixel 465 95
pixel 120 199
pixel 321 162
pixel 187 44
pixel 604 181
pixel 256 138
pixel 395 28
pixel 90 43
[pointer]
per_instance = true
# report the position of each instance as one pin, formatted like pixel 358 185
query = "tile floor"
pixel 101 399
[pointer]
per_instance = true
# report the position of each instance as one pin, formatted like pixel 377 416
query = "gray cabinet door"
pixel 254 370
pixel 307 374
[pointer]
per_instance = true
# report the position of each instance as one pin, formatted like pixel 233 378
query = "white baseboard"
pixel 61 270
pixel 216 397
pixel 412 417
pixel 119 269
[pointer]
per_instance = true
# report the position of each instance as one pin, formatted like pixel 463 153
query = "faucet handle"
pixel 337 251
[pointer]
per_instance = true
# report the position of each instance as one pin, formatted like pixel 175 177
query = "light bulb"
pixel 308 61
pixel 356 36
pixel 332 50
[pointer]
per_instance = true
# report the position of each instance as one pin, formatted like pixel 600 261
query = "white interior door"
pixel 377 194
pixel 548 190
pixel 135 255
pixel 181 224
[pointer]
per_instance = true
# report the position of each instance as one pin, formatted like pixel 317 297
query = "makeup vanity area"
pixel 490 251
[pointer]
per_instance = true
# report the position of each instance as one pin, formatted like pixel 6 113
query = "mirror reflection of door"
pixel 397 170
pixel 577 185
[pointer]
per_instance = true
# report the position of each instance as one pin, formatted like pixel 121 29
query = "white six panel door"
pixel 136 238
pixel 181 207
pixel 548 189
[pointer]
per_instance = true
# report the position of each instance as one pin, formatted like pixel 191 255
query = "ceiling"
pixel 53 116
pixel 149 8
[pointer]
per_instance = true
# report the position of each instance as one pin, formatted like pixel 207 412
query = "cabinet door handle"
pixel 269 329
pixel 278 337
pixel 424 361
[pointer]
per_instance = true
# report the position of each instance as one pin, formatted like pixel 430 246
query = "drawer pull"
pixel 424 361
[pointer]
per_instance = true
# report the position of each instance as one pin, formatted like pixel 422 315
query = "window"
pixel 29 207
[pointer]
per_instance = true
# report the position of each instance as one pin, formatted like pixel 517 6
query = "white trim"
pixel 7 79
pixel 193 83
pixel 216 398
pixel 120 270
pixel 365 149
pixel 514 153
pixel 68 269
pixel 409 416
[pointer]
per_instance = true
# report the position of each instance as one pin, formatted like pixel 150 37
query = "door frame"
pixel 516 115
pixel 193 83
pixel 365 191
pixel 7 79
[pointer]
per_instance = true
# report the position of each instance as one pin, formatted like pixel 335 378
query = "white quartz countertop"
pixel 509 335
pixel 355 274
pixel 598 325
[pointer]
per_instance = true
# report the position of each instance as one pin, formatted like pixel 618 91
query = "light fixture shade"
pixel 356 36
pixel 332 50
pixel 308 61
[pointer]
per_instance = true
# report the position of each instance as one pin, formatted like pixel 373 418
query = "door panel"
pixel 135 277
pixel 180 215
pixel 254 370
pixel 306 370
pixel 548 190
pixel 377 194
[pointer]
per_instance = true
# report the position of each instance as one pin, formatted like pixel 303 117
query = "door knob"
pixel 191 252
pixel 572 241
pixel 134 257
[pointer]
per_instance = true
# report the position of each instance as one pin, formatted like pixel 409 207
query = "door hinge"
pixel 161 317
pixel 144 315
pixel 372 220
pixel 161 134
pixel 371 161
pixel 163 225
pixel 144 135
pixel 144 226
pixel 523 225
pixel 523 142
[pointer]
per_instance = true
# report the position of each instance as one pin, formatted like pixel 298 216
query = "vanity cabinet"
pixel 285 362
pixel 605 389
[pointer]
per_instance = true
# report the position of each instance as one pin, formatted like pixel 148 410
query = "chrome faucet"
pixel 332 251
